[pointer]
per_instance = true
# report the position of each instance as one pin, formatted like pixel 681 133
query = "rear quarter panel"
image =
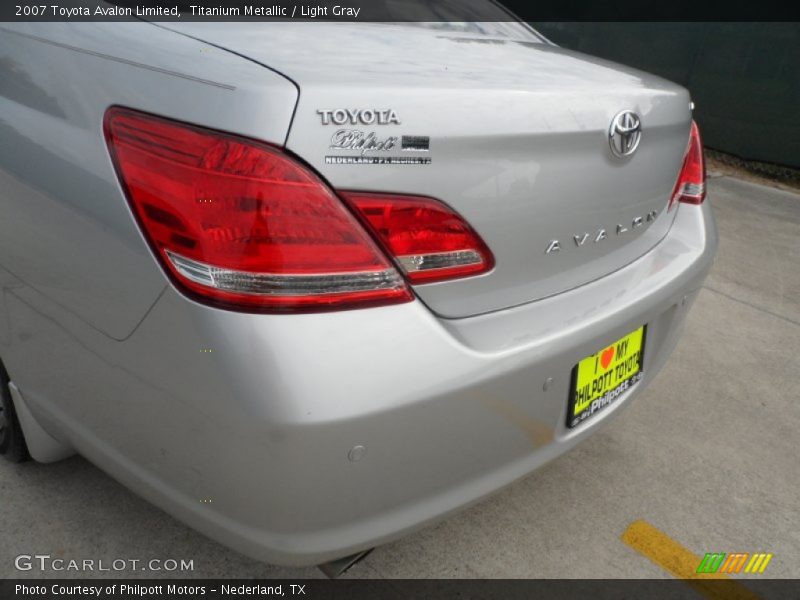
pixel 66 232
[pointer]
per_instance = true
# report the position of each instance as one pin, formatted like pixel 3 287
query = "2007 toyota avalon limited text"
pixel 310 286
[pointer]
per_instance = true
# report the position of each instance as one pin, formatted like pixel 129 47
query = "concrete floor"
pixel 708 454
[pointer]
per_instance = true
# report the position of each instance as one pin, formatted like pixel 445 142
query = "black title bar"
pixel 399 10
pixel 387 589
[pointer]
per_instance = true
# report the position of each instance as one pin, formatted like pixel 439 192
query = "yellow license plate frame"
pixel 601 378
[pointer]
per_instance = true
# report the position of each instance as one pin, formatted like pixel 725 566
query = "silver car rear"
pixel 299 437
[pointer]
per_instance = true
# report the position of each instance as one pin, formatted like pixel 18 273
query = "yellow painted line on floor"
pixel 668 554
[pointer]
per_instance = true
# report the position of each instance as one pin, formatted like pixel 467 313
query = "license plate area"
pixel 601 378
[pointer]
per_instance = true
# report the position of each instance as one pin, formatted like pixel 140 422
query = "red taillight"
pixel 239 224
pixel 429 241
pixel 691 184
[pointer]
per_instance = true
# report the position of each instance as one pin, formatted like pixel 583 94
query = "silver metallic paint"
pixel 260 413
pixel 56 178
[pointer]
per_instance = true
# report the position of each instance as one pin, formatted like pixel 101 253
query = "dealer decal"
pixel 372 147
pixel 602 377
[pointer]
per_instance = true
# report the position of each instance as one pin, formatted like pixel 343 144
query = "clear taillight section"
pixel 691 184
pixel 428 239
pixel 238 223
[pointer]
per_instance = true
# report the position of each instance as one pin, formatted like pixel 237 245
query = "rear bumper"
pixel 248 427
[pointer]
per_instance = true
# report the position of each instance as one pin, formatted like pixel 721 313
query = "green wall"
pixel 744 77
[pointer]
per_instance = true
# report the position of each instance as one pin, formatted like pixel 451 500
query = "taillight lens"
pixel 691 184
pixel 428 239
pixel 239 224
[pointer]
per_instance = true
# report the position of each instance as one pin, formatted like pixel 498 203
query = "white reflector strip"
pixel 439 260
pixel 691 190
pixel 244 282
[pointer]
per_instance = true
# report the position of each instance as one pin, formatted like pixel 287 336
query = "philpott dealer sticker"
pixel 354 145
pixel 601 378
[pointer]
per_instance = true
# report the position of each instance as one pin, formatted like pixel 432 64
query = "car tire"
pixel 12 441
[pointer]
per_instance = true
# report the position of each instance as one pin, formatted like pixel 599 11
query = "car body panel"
pixel 263 425
pixel 245 426
pixel 66 229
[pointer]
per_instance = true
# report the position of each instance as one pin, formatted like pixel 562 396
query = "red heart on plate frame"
pixel 606 357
